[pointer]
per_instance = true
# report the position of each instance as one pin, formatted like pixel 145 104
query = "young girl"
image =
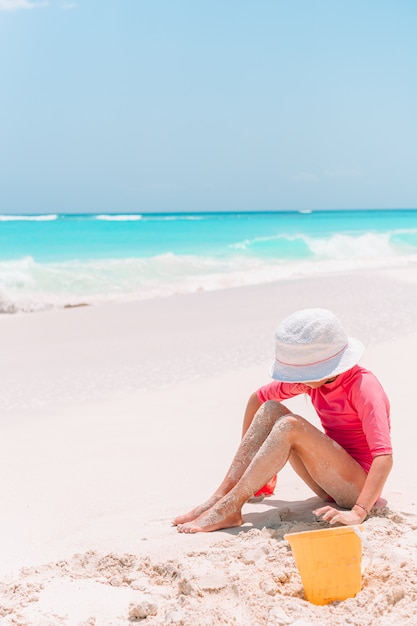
pixel 347 464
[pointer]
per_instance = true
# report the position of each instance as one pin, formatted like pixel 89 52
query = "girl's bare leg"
pixel 261 426
pixel 299 467
pixel 327 466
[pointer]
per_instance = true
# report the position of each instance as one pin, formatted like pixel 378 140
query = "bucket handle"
pixel 367 545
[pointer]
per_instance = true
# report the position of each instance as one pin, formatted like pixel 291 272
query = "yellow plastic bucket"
pixel 329 562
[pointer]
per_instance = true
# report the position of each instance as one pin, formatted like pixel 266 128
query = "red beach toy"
pixel 268 489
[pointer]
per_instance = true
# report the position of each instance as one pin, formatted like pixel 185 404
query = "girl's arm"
pixel 372 489
pixel 252 406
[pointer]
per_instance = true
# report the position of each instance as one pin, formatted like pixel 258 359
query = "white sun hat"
pixel 312 345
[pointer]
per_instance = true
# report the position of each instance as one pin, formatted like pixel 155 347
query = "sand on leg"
pixel 255 436
pixel 326 465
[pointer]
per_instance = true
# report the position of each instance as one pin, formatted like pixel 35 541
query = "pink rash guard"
pixel 353 409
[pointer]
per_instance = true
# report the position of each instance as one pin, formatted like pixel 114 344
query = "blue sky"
pixel 199 105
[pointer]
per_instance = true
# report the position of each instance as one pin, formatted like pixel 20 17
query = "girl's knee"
pixel 277 413
pixel 290 423
pixel 275 408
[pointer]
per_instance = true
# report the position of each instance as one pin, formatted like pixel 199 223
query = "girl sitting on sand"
pixel 347 464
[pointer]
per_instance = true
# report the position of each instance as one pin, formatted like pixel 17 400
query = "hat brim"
pixel 320 371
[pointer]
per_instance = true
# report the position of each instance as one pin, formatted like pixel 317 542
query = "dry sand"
pixel 117 418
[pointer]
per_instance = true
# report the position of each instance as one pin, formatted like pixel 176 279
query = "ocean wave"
pixel 174 218
pixel 28 218
pixel 134 217
pixel 342 246
pixel 119 218
pixel 365 245
pixel 277 245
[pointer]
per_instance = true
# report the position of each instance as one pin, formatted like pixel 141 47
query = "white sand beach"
pixel 115 419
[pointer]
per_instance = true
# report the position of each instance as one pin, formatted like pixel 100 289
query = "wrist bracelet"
pixel 362 507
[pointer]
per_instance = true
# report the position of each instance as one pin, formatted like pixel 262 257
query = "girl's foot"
pixel 215 518
pixel 194 513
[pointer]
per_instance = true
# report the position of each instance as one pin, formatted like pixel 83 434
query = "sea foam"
pixel 26 285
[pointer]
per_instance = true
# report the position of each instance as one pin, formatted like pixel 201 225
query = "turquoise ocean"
pixel 49 261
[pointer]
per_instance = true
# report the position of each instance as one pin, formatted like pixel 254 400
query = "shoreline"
pixel 244 275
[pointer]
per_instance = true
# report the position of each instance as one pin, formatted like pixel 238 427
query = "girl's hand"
pixel 333 516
